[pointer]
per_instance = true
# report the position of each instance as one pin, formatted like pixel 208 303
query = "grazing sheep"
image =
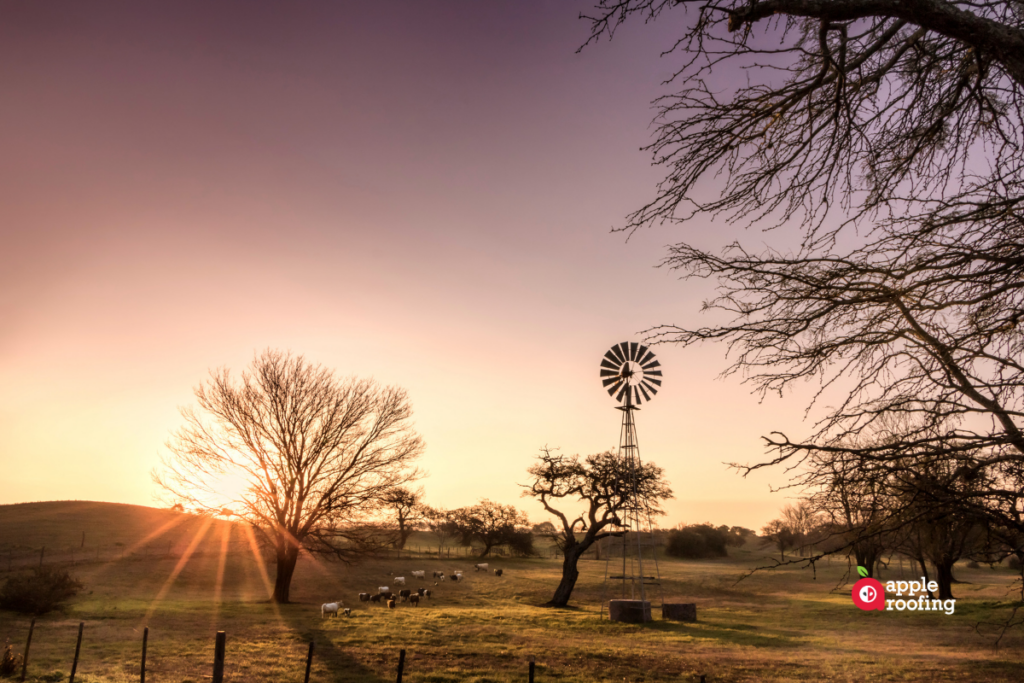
pixel 376 598
pixel 404 594
pixel 364 597
pixel 455 578
pixel 391 604
pixel 399 580
pixel 347 611
pixel 498 572
pixel 480 567
pixel 388 595
pixel 426 593
pixel 330 608
pixel 415 600
pixel 439 575
pixel 419 574
pixel 383 589
pixel 420 591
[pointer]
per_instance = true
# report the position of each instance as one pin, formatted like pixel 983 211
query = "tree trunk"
pixel 867 558
pixel 569 576
pixel 924 574
pixel 944 576
pixel 287 556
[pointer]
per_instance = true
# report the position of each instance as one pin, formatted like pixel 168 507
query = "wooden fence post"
pixel 78 648
pixel 28 644
pixel 218 658
pixel 401 665
pixel 532 665
pixel 145 641
pixel 309 660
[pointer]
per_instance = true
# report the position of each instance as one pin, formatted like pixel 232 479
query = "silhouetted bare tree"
pixel 901 119
pixel 316 453
pixel 442 523
pixel 406 509
pixel 601 484
pixel 489 523
pixel 863 106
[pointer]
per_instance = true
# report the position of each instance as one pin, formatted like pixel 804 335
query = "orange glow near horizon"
pixel 186 213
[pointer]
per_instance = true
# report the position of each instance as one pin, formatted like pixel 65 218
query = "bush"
pixel 9 662
pixel 42 591
pixel 697 541
pixel 520 543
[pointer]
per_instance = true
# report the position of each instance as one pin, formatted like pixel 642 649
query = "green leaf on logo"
pixel 862 571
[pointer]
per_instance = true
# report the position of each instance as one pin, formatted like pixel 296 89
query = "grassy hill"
pixel 185 578
pixel 63 526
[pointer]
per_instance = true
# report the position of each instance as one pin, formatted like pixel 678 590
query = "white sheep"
pixel 421 574
pixel 330 608
pixel 399 580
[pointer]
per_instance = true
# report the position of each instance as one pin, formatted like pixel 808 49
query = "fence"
pixel 220 657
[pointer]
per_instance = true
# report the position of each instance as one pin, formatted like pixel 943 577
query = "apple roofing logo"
pixel 868 593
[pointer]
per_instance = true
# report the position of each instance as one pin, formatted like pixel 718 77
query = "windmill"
pixel 631 375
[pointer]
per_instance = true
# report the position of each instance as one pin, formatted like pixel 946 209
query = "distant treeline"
pixel 699 541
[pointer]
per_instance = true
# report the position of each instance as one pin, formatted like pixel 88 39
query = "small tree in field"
pixel 406 509
pixel 316 453
pixel 601 483
pixel 778 534
pixel 441 524
pixel 491 524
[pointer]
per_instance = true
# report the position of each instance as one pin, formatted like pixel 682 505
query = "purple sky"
pixel 417 191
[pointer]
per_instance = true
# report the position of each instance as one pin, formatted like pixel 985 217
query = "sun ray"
pixel 225 538
pixel 318 564
pixel 258 558
pixel 160 531
pixel 177 568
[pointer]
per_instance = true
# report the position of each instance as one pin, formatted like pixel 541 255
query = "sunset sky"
pixel 421 192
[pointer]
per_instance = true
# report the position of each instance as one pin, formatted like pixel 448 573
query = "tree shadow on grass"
pixel 734 634
pixel 331 657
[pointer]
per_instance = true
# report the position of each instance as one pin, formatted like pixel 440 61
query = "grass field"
pixel 783 625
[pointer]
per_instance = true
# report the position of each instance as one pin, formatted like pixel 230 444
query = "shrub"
pixel 697 541
pixel 44 590
pixel 520 543
pixel 9 662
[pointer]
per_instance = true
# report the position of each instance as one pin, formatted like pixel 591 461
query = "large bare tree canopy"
pixel 889 133
pixel 316 453
pixel 894 111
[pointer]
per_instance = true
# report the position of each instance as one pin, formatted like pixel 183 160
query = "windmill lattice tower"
pixel 630 373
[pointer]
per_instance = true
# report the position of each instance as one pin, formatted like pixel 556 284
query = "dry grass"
pixel 775 626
